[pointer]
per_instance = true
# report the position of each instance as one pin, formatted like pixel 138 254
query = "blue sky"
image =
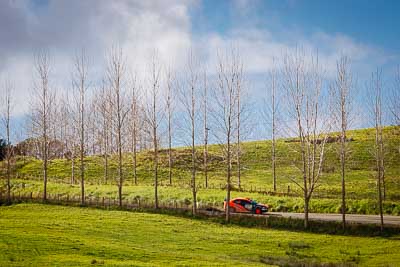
pixel 373 22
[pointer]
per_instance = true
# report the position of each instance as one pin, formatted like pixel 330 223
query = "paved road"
pixel 388 220
pixel 366 219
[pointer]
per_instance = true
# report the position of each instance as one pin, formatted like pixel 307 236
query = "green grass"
pixel 256 173
pixel 206 197
pixel 43 235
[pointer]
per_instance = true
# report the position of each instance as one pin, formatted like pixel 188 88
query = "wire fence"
pixel 106 202
pixel 263 190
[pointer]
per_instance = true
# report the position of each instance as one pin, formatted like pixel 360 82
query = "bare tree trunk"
pixel 193 152
pixel 194 189
pixel 229 174
pixel 135 114
pixel 135 154
pixel 41 116
pixel 73 166
pixel 169 118
pixel 238 147
pixel 119 142
pixel 342 165
pixel 105 121
pixel 341 93
pixel 153 122
pixel 273 111
pixel 305 177
pixel 376 84
pixel 106 164
pixel 9 152
pixel 116 71
pixel 6 119
pixel 169 150
pixel 155 152
pixel 79 81
pixel 188 100
pixel 206 129
pixel 379 169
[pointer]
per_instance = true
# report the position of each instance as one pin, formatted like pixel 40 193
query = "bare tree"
pixel 170 109
pixel 135 109
pixel 206 129
pixel 303 84
pixel 80 83
pixel 116 77
pixel 341 92
pixel 379 153
pixel 62 113
pixel 272 115
pixel 153 118
pixel 42 110
pixel 67 115
pixel 103 108
pixel 239 109
pixel 6 118
pixel 189 95
pixel 225 112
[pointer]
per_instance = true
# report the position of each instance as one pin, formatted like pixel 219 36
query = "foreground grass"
pixel 42 235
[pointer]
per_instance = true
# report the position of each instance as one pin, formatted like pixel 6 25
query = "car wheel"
pixel 232 210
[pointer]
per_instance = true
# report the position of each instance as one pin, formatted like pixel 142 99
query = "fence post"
pixel 102 202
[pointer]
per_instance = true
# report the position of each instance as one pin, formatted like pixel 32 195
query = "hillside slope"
pixel 256 167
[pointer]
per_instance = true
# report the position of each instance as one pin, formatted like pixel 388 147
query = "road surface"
pixel 354 218
pixel 388 220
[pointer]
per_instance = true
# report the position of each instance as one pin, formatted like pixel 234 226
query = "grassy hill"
pixel 44 235
pixel 256 174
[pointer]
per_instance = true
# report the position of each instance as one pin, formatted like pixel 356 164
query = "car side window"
pixel 247 204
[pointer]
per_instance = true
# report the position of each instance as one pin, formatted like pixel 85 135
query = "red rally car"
pixel 246 205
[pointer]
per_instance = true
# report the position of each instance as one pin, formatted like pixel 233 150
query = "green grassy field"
pixel 206 197
pixel 44 235
pixel 256 173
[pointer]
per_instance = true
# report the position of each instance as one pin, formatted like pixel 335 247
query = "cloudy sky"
pixel 367 31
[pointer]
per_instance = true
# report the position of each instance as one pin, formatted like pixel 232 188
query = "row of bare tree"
pixel 319 106
pixel 121 114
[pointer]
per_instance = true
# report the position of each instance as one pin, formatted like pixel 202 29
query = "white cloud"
pixel 64 27
pixel 140 27
pixel 258 48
